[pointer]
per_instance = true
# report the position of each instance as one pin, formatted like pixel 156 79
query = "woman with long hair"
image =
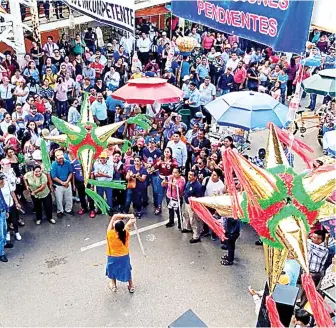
pixel 118 266
pixel 36 183
pixel 175 188
pixel 228 143
pixel 136 186
pixel 31 73
pixel 276 91
pixel 291 71
pixel 10 65
pixel 165 167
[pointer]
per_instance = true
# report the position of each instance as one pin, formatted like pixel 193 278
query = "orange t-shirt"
pixel 115 246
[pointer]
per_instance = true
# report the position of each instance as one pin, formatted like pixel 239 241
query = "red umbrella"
pixel 147 91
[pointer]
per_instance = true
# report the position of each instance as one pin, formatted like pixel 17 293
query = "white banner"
pixel 118 13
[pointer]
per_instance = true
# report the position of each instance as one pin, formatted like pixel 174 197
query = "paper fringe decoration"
pixel 108 184
pixel 140 120
pixel 319 307
pixel 203 213
pixel 98 200
pixel 273 314
pixel 297 145
pixel 45 156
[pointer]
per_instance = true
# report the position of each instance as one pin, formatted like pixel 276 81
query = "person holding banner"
pixel 118 266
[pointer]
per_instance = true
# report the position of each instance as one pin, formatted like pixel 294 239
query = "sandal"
pixel 131 289
pixel 112 287
pixel 224 257
pixel 226 262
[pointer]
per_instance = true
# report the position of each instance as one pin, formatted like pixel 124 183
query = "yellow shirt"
pixel 115 246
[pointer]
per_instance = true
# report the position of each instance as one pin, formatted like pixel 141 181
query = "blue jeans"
pixel 312 104
pixel 108 193
pixel 135 196
pixel 158 191
pixel 61 108
pixel 3 232
pixel 283 95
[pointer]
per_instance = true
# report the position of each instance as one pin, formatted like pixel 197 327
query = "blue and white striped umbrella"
pixel 248 110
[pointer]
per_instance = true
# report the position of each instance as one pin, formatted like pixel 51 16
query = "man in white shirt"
pixel 6 94
pixel 103 171
pixel 144 46
pixel 195 35
pixel 50 46
pixel 127 41
pixel 233 62
pixel 208 94
pixel 112 79
pixel 179 149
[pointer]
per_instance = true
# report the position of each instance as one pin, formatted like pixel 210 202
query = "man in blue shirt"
pixel 192 222
pixel 185 68
pixel 34 116
pixel 61 174
pixel 3 224
pixel 99 110
pixel 111 105
pixel 194 100
pixel 226 81
pixel 202 70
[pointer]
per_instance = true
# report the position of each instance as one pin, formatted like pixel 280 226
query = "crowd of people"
pixel 175 160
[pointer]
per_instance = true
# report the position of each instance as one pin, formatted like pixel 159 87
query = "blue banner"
pixel 281 24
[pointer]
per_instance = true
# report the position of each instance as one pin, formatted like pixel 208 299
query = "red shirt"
pixel 98 68
pixel 166 168
pixel 40 107
pixel 92 99
pixel 240 75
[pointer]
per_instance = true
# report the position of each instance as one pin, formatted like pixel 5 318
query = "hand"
pixel 18 206
pixel 240 87
pixel 66 184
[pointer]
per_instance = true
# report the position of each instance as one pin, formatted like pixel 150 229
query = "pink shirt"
pixel 172 190
pixel 61 92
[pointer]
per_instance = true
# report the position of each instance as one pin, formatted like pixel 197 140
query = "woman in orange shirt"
pixel 118 266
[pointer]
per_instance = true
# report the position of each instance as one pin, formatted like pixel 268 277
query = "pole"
pixel 179 205
pixel 139 240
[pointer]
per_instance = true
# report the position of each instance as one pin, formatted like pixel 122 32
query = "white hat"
pixel 37 155
pixel 186 78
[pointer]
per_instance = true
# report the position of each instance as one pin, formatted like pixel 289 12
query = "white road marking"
pixel 143 229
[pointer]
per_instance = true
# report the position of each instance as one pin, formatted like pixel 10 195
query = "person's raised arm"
pixel 116 217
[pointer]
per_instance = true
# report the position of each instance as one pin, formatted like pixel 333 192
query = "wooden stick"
pixel 139 240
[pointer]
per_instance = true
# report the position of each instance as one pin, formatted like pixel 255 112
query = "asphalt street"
pixel 56 274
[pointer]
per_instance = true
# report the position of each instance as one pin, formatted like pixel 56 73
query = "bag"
pixel 131 184
pixel 173 204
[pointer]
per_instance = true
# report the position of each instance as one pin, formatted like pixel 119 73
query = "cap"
pixel 227 46
pixel 141 141
pixel 59 153
pixel 152 140
pixel 79 78
pixel 103 154
pixel 45 132
pixel 217 54
pixel 199 115
pixel 37 155
pixel 2 176
pixel 109 45
pixel 164 33
pixel 110 141
pixel 186 78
